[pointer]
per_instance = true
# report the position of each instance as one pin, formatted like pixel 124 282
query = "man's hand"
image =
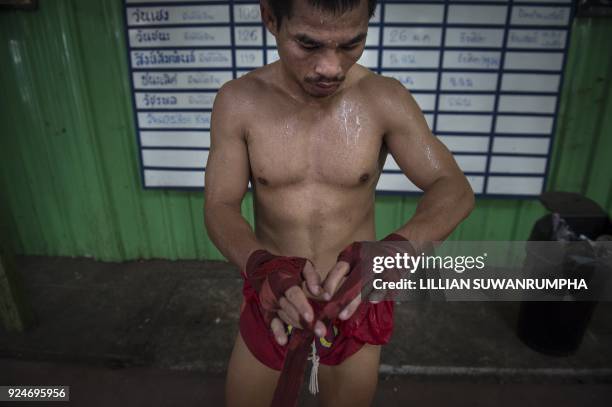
pixel 348 259
pixel 294 306
pixel 334 280
pixel 349 262
pixel 283 285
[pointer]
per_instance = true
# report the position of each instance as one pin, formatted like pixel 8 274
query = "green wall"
pixel 69 178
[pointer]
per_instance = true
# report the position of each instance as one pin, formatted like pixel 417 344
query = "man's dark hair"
pixel 282 8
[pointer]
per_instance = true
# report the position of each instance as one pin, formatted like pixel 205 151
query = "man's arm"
pixel 448 197
pixel 227 179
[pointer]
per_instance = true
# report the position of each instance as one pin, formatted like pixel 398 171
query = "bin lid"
pixel 570 204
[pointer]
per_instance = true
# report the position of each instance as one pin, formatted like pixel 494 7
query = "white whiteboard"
pixel 486 74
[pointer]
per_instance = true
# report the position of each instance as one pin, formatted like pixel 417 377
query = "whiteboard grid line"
pixel 497 96
pixel 264 37
pixel 395 172
pixel 381 18
pixel 398 69
pixel 456 153
pixel 133 95
pixel 434 125
pixel 232 37
pixel 432 111
pixel 559 90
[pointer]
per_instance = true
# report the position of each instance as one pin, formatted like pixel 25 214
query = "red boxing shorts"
pixel 371 323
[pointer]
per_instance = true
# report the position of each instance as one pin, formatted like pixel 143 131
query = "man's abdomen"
pixel 315 222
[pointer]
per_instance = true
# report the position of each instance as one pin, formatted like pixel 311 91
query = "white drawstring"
pixel 313 386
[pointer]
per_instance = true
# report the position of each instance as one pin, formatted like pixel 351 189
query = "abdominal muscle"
pixel 316 222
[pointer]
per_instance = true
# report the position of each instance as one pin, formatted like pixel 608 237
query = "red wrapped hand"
pixel 271 276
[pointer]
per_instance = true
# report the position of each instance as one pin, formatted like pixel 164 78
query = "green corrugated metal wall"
pixel 69 177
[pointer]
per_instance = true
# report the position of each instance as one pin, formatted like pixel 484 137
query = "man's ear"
pixel 267 17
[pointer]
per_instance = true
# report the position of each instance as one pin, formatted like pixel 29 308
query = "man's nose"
pixel 329 66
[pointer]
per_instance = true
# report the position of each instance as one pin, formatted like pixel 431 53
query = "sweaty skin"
pixel 313 156
pixel 315 182
pixel 314 167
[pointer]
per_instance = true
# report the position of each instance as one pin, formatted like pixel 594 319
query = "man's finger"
pixel 288 320
pixel 298 299
pixel 319 329
pixel 313 279
pixel 335 276
pixel 350 309
pixel 278 329
pixel 289 309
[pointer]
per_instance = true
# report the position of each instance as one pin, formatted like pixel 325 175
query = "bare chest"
pixel 339 146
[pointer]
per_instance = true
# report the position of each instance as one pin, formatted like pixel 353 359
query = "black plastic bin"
pixel 557 327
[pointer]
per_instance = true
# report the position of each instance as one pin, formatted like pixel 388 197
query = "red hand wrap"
pixel 351 254
pixel 271 276
pixel 290 381
pixel 394 237
pixel 393 274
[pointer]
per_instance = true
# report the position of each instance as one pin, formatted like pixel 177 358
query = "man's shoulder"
pixel 237 101
pixel 376 85
pixel 241 91
pixel 384 94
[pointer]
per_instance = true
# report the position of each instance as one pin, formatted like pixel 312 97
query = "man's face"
pixel 317 48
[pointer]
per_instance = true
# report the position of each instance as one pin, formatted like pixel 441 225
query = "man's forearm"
pixel 446 203
pixel 231 233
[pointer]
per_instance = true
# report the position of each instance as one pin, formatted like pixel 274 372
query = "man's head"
pixel 282 8
pixel 318 40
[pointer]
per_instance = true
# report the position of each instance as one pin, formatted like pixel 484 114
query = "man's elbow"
pixel 209 215
pixel 458 194
pixel 466 199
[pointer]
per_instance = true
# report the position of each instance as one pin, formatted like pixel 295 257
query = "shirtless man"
pixel 311 132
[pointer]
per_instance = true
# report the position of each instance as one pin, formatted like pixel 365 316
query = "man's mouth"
pixel 326 87
pixel 327 84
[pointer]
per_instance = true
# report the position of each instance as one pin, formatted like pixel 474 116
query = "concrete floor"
pixel 159 333
pixel 96 386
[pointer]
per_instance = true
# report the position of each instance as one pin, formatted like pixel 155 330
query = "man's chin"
pixel 320 91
